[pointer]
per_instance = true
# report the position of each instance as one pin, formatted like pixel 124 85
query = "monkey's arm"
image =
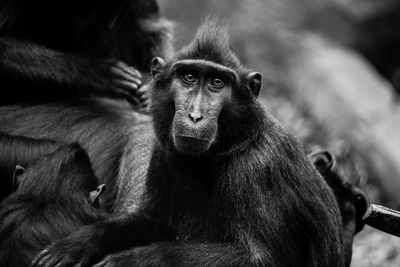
pixel 182 254
pixel 91 243
pixel 21 150
pixel 30 71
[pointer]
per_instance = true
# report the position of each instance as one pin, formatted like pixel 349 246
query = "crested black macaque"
pixel 351 200
pixel 56 195
pixel 22 151
pixel 226 185
pixel 52 50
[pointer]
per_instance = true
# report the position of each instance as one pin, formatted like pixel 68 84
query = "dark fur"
pixel 56 50
pixel 51 202
pixel 212 43
pixel 252 199
pixel 351 200
pixel 19 150
pixel 106 129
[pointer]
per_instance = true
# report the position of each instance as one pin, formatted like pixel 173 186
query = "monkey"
pixel 225 185
pixel 351 200
pixel 21 151
pixel 79 47
pixel 56 50
pixel 115 137
pixel 55 196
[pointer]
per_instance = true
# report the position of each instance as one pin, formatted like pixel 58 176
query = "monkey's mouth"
pixel 190 144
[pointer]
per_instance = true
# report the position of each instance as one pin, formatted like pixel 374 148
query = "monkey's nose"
pixel 195 117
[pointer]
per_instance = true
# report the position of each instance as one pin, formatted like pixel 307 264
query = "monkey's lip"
pixel 191 144
pixel 187 136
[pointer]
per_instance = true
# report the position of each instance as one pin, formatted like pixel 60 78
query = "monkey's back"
pixel 118 139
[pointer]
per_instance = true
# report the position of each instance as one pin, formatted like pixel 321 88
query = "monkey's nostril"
pixel 195 117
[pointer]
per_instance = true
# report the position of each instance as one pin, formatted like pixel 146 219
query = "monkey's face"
pixel 200 89
pixel 188 97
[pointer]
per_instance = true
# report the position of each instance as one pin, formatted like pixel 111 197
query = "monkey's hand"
pixel 125 258
pixel 91 243
pixel 75 75
pixel 153 255
pixel 122 81
pixel 79 249
pixel 179 254
pixel 145 93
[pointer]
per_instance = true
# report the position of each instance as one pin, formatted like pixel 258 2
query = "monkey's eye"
pixel 189 78
pixel 217 83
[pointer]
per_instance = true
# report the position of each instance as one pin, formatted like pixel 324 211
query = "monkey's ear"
pixel 255 82
pixel 157 64
pixel 323 160
pixel 94 196
pixel 18 172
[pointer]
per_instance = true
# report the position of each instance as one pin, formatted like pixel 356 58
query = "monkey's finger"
pixel 144 92
pixel 40 258
pixel 50 261
pixel 146 102
pixel 130 70
pixel 128 97
pixel 144 89
pixel 45 261
pixel 133 101
pixel 103 263
pixel 131 88
pixel 145 106
pixel 143 101
pixel 63 263
pixel 126 76
pixel 144 98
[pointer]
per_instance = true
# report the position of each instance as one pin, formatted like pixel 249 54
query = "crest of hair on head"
pixel 211 43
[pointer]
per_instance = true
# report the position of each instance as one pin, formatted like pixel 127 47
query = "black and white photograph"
pixel 200 133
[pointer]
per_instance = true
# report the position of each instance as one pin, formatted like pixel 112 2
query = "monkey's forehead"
pixel 205 65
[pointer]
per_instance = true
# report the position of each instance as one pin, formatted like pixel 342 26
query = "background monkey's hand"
pixel 121 81
pixel 79 249
pixel 91 243
pixel 145 97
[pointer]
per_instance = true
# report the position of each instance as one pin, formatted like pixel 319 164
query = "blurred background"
pixel 332 77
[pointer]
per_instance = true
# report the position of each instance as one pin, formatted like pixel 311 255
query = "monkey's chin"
pixel 191 145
